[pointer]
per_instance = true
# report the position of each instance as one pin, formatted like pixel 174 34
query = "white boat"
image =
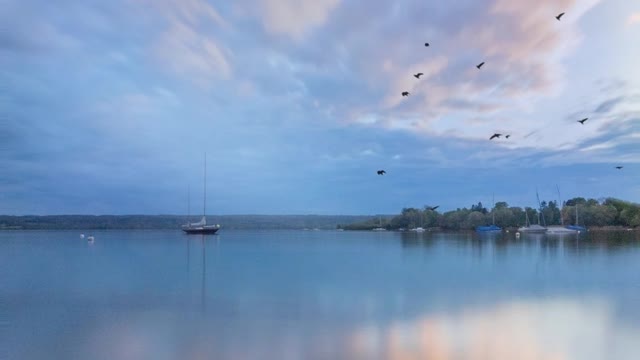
pixel 559 230
pixel 81 236
pixel 418 229
pixel 90 238
pixel 532 228
pixel 379 228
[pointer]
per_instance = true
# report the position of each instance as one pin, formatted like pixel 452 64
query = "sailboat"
pixel 576 227
pixel 201 226
pixel 419 229
pixel 493 227
pixel 560 230
pixel 532 228
pixel 379 228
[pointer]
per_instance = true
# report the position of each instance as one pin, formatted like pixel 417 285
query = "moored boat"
pixel 201 227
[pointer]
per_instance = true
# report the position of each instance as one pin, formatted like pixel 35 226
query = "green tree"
pixel 473 219
pixel 501 205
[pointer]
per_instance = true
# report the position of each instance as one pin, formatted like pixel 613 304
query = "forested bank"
pixel 590 213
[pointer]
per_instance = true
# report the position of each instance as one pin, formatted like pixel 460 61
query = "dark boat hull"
pixel 488 229
pixel 201 230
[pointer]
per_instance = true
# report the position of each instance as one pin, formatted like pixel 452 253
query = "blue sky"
pixel 108 107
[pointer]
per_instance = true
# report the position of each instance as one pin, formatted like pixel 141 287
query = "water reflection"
pixel 550 329
pixel 536 329
pixel 321 295
pixel 203 239
pixel 548 245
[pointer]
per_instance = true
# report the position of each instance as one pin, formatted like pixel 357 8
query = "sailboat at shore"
pixel 576 227
pixel 379 228
pixel 533 228
pixel 201 226
pixel 561 229
pixel 493 227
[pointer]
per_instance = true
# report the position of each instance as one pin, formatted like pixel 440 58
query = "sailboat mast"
pixel 493 214
pixel 188 202
pixel 539 209
pixel 204 209
pixel 561 205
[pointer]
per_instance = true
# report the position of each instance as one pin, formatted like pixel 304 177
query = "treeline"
pixel 64 222
pixel 590 213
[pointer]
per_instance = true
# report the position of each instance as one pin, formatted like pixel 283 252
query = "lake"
pixel 319 295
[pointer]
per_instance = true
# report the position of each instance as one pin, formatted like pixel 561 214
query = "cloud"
pixel 295 18
pixel 188 46
pixel 633 19
pixel 359 71
pixel 29 32
pixel 608 105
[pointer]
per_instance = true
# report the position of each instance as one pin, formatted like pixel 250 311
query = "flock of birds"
pixel 495 135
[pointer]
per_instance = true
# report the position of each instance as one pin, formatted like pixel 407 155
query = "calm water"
pixel 318 295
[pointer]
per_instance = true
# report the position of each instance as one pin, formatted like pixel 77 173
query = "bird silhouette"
pixel 480 65
pixel 426 44
pixel 583 120
pixel 508 136
pixel 381 172
pixel 495 136
pixel 559 16
pixel 417 76
pixel 405 93
pixel 619 167
pixel 432 208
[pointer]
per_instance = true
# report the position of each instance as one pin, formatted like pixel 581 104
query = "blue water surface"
pixel 319 295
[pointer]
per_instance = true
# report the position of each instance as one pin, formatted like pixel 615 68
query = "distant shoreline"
pixel 168 222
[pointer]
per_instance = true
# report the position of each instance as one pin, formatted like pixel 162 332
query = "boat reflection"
pixel 573 244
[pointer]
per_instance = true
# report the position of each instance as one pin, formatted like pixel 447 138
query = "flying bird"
pixel 508 136
pixel 495 136
pixel 619 167
pixel 559 16
pixel 583 120
pixel 426 44
pixel 417 76
pixel 480 65
pixel 381 172
pixel 433 208
pixel 405 93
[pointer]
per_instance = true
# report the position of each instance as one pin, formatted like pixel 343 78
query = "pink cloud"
pixel 295 17
pixel 189 46
pixel 522 43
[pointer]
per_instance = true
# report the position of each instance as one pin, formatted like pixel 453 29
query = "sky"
pixel 109 107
